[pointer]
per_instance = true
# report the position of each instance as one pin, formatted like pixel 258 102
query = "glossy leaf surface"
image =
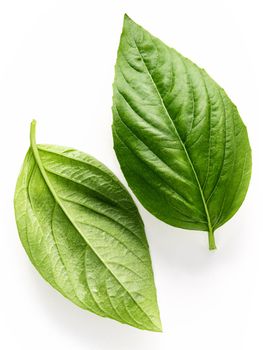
pixel 180 141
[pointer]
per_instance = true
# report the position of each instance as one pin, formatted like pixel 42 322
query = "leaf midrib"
pixel 210 229
pixel 57 199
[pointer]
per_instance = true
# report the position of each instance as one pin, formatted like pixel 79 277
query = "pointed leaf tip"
pixel 127 19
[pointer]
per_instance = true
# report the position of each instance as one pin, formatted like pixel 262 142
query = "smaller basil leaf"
pixel 83 233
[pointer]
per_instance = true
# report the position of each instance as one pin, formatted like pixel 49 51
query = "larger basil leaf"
pixel 83 233
pixel 180 141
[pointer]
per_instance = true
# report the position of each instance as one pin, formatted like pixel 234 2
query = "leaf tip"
pixel 159 329
pixel 156 323
pixel 127 19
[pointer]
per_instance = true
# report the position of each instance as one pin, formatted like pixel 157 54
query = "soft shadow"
pixel 89 330
pixel 187 250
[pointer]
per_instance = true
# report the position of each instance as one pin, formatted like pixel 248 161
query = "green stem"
pixel 33 133
pixel 211 239
pixel 34 148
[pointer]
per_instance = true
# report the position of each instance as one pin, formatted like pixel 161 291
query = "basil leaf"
pixel 180 141
pixel 83 233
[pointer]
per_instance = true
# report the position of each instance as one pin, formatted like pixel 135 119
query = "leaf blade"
pixel 85 236
pixel 172 121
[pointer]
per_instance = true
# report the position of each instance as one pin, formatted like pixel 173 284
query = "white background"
pixel 56 65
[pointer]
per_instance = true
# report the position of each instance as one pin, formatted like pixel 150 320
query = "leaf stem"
pixel 211 239
pixel 34 148
pixel 33 133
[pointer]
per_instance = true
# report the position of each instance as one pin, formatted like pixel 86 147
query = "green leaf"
pixel 83 233
pixel 180 141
